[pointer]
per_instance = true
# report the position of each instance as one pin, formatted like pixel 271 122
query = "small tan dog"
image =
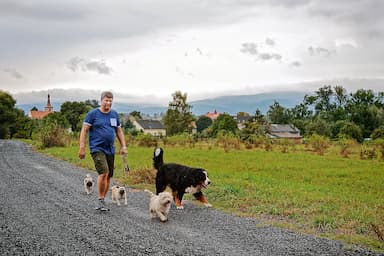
pixel 160 205
pixel 88 184
pixel 118 193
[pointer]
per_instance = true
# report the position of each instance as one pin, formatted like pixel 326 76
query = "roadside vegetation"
pixel 323 194
pixel 329 183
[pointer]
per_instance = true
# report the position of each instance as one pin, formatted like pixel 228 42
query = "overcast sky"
pixel 151 47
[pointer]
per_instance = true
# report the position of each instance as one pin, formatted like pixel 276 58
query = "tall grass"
pixel 328 195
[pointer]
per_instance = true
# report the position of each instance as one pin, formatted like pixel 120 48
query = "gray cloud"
pixel 84 65
pixel 316 51
pixel 269 56
pixel 14 73
pixel 249 48
pixel 270 41
pixel 363 17
pixel 290 3
pixel 296 63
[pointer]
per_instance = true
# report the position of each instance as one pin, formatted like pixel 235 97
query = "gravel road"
pixel 45 211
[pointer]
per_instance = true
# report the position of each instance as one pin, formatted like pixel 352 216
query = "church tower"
pixel 48 107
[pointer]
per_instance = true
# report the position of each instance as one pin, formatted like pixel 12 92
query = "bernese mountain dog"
pixel 180 178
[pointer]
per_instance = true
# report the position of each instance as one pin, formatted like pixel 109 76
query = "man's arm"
pixel 83 135
pixel 120 137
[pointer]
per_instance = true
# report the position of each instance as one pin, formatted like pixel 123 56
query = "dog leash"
pixel 125 163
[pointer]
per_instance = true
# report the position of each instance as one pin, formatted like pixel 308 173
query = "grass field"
pixel 330 196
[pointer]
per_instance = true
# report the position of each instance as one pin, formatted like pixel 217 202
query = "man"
pixel 103 125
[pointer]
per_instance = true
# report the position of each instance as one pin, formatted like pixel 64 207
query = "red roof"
pixel 36 114
pixel 213 115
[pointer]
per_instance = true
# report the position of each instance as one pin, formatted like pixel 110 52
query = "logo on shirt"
pixel 113 122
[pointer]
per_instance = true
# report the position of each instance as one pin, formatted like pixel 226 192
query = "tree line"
pixel 329 112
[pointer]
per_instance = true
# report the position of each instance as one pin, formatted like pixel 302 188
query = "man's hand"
pixel 82 152
pixel 123 151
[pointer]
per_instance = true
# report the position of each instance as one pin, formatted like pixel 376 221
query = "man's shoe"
pixel 101 206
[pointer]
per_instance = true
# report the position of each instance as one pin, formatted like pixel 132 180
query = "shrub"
pixel 142 176
pixel 147 140
pixel 319 143
pixel 53 136
pixel 345 146
pixel 367 153
pixel 228 140
pixel 182 139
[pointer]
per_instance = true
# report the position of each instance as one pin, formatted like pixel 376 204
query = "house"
pixel 284 131
pixel 213 115
pixel 241 120
pixel 37 114
pixel 153 127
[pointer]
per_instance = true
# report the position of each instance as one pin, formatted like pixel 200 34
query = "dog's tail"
pixel 149 192
pixel 158 158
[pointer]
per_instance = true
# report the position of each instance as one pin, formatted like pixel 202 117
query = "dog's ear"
pixel 198 176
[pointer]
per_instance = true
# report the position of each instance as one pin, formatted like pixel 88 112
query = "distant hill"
pixel 247 103
pixel 228 104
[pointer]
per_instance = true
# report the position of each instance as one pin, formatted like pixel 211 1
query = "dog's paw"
pixel 180 207
pixel 208 205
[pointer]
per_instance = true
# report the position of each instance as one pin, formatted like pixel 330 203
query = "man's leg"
pixel 103 184
pixel 101 165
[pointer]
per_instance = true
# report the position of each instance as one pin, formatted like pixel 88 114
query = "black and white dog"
pixel 180 178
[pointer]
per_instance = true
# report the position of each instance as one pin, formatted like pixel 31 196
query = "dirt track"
pixel 44 211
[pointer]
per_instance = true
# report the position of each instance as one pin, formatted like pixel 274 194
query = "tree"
pixel 378 133
pixel 363 111
pixel 136 114
pixel 257 125
pixel 224 122
pixel 318 126
pixel 351 131
pixel 203 122
pixel 277 114
pixel 323 100
pixel 72 112
pixel 8 114
pixel 92 103
pixel 178 117
pixel 23 127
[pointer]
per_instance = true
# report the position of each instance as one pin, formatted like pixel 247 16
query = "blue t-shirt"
pixel 103 130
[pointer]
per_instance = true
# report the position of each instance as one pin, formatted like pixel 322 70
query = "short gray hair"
pixel 107 94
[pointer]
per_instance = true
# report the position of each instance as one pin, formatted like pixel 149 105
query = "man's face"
pixel 106 103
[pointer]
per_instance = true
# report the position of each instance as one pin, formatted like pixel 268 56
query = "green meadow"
pixel 326 195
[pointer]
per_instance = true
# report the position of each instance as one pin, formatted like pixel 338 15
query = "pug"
pixel 119 193
pixel 88 184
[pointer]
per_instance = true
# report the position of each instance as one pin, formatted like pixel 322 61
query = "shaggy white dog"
pixel 119 193
pixel 88 184
pixel 160 205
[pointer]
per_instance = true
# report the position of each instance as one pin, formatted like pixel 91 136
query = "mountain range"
pixel 223 104
pixel 230 102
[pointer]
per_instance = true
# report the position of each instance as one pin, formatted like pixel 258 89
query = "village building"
pixel 241 120
pixel 284 131
pixel 37 114
pixel 153 127
pixel 213 115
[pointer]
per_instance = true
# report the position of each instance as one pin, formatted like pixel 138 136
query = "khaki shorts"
pixel 103 163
